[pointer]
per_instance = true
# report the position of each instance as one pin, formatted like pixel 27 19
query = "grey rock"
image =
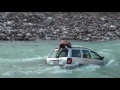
pixel 84 26
pixel 89 35
pixel 112 26
pixel 28 34
pixel 109 33
pixel 2 34
pixel 87 39
pixel 117 32
pixel 48 21
pixel 48 38
pixel 19 35
pixel 65 32
pixel 106 38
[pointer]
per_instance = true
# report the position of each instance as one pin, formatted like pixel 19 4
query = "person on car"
pixel 61 47
pixel 65 42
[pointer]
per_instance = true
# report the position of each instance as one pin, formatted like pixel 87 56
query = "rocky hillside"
pixel 88 26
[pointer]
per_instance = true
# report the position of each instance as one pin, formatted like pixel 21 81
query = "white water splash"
pixel 14 74
pixel 112 63
pixel 58 70
pixel 107 54
pixel 8 74
pixel 89 68
pixel 53 70
pixel 111 59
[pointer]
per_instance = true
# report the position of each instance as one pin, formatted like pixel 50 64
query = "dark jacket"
pixel 69 45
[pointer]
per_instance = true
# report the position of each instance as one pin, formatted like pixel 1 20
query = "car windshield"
pixel 53 54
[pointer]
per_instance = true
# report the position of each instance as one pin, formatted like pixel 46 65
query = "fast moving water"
pixel 27 60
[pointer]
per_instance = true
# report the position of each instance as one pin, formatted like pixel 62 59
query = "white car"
pixel 74 56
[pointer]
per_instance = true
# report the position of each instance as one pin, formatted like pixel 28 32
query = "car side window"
pixel 76 53
pixel 63 53
pixel 95 55
pixel 86 54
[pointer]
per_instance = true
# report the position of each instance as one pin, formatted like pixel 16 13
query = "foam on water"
pixel 14 74
pixel 110 57
pixel 89 68
pixel 106 50
pixel 22 60
pixel 112 63
pixel 8 74
pixel 37 70
pixel 107 54
pixel 58 70
pixel 20 72
pixel 53 70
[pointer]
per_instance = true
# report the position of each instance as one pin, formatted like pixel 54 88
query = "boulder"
pixel 2 35
pixel 117 32
pixel 28 34
pixel 48 38
pixel 48 21
pixel 20 35
pixel 87 39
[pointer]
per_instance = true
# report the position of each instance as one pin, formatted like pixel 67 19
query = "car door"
pixel 86 56
pixel 96 58
pixel 76 56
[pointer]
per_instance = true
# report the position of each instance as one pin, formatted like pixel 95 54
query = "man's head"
pixel 63 40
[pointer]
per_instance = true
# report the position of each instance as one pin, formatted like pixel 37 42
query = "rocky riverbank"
pixel 87 26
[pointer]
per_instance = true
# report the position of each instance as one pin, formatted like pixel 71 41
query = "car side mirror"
pixel 102 57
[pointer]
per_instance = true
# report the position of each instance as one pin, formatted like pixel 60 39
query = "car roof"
pixel 81 48
pixel 77 48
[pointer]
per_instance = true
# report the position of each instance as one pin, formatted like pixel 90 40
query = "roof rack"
pixel 77 47
pixel 80 47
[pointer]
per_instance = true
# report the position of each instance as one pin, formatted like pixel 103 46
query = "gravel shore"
pixel 85 26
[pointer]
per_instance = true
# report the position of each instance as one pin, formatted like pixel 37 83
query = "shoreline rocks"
pixel 85 26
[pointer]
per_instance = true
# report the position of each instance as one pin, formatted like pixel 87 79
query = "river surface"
pixel 20 59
